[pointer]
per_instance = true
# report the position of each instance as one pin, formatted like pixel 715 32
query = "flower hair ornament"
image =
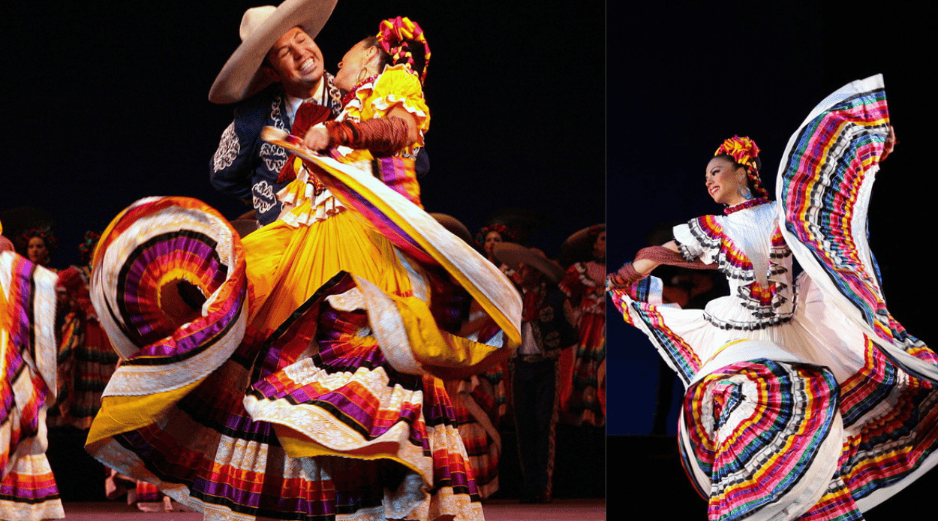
pixel 86 248
pixel 495 227
pixel 745 152
pixel 44 233
pixel 396 35
pixel 594 231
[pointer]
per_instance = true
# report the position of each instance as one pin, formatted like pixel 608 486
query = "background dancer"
pixel 583 369
pixel 546 332
pixel 28 385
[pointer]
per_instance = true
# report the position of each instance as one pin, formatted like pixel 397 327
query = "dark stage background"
pixel 107 102
pixel 683 77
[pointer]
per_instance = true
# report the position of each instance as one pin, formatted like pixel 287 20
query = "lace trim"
pixel 592 299
pixel 304 203
pixel 770 303
pixel 762 323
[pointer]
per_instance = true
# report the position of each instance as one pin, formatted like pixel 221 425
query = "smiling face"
pixel 724 181
pixel 296 62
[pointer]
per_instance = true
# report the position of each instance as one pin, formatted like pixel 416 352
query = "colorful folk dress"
pixel 583 369
pixel 86 358
pixel 27 387
pixel 805 399
pixel 297 375
pixel 479 407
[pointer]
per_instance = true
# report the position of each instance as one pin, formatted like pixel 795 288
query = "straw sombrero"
pixel 261 27
pixel 514 254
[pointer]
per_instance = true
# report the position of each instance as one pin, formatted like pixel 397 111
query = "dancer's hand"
pixel 626 277
pixel 615 281
pixel 316 139
pixel 890 143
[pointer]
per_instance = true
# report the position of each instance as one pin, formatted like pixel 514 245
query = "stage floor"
pixel 495 510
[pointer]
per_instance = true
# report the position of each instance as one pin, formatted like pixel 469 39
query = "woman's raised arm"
pixel 646 260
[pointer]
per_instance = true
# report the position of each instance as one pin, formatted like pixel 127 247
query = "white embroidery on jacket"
pixel 228 149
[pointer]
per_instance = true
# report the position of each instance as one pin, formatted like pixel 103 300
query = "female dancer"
pixel 793 383
pixel 310 391
pixel 583 370
pixel 27 387
pixel 86 358
pixel 38 244
pixel 497 377
pixel 491 235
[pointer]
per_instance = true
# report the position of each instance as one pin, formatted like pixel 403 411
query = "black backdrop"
pixel 106 102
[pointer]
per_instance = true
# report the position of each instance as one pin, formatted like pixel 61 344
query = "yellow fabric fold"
pixel 298 445
pixel 119 414
pixel 511 329
pixel 287 265
pixel 433 347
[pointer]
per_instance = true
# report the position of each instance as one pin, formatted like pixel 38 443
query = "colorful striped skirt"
pixel 27 389
pixel 322 405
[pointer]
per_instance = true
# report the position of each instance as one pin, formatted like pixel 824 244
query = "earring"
pixel 363 75
pixel 744 192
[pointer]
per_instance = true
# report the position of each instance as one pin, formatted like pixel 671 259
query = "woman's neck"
pixel 746 203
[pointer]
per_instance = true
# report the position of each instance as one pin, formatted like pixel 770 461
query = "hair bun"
pixel 743 150
pixel 395 37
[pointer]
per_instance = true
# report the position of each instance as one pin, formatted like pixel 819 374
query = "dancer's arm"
pixel 385 135
pixel 645 262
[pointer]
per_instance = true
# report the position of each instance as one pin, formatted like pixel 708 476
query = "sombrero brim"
pixel 455 226
pixel 240 78
pixel 515 254
pixel 579 239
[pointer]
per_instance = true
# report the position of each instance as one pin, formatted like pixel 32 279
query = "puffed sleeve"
pixel 572 283
pixel 700 238
pixel 399 88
